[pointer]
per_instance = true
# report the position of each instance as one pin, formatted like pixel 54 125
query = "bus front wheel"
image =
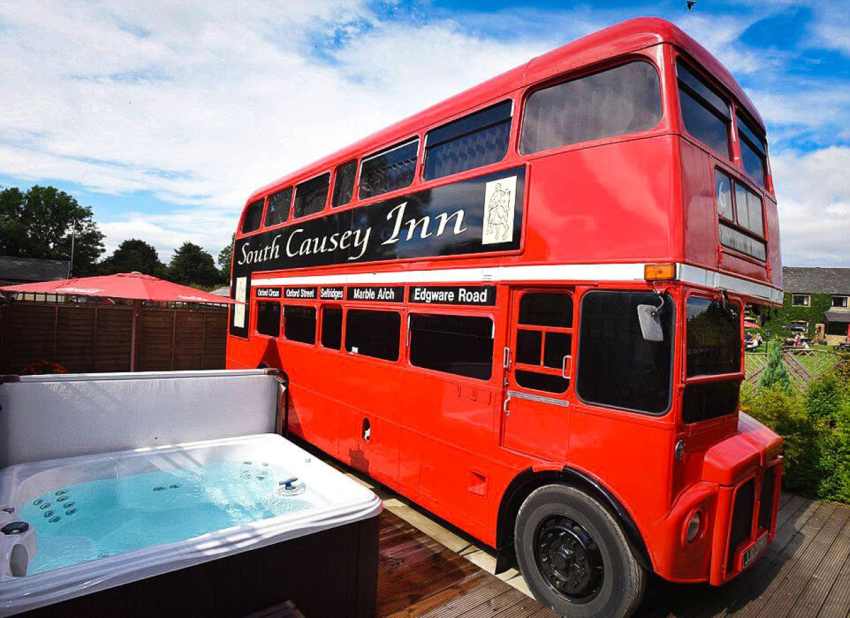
pixel 574 556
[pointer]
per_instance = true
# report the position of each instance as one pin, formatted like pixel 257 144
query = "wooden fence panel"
pixel 27 336
pixel 114 333
pixel 88 338
pixel 153 340
pixel 75 339
pixel 189 340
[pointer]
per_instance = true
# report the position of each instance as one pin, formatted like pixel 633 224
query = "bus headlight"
pixel 693 527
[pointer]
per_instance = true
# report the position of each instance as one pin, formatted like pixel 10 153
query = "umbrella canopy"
pixel 133 286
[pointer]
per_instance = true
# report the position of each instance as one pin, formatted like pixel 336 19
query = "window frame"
pixel 335 180
pixel 320 326
pixel 456 312
pixel 674 319
pixel 708 83
pixel 806 303
pixel 400 310
pixel 734 182
pixel 296 217
pixel 262 201
pixel 422 155
pixel 256 319
pixel 712 377
pixel 286 219
pixel 382 151
pixel 516 326
pixel 283 306
pixel 744 121
pixel 572 76
pixel 846 300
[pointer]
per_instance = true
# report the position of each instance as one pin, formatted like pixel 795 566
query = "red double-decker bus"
pixel 522 309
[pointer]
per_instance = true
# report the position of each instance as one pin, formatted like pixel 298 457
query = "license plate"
pixel 753 552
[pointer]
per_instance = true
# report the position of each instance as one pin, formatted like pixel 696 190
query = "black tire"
pixel 574 556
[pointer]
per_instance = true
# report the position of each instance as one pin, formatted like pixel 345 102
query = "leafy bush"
pixel 816 428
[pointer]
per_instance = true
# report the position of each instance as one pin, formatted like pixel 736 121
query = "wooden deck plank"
pixel 820 584
pixel 837 604
pixel 489 589
pixel 495 605
pixel 804 568
pixel 778 567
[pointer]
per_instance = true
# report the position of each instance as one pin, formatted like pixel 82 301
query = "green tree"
pixel 775 374
pixel 41 223
pixel 133 255
pixel 192 265
pixel 224 257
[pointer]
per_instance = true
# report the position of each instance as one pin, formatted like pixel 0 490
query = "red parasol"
pixel 132 286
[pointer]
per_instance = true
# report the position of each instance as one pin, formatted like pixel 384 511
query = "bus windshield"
pixel 714 337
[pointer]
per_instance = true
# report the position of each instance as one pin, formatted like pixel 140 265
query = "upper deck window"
pixel 478 139
pixel 705 114
pixel 253 216
pixel 738 205
pixel 344 183
pixel 310 195
pixel 388 170
pixel 278 209
pixel 753 149
pixel 625 99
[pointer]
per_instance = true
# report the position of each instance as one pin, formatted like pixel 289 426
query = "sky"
pixel 164 116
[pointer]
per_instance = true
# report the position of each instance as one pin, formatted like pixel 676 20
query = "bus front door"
pixel 538 361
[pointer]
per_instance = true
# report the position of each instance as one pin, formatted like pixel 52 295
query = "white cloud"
pixel 814 206
pixel 201 104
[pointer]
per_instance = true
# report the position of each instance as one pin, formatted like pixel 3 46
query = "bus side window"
pixel 253 216
pixel 538 345
pixel 268 318
pixel 310 195
pixel 390 169
pixel 616 366
pixel 332 327
pixel 344 183
pixel 299 323
pixel 478 139
pixel 462 345
pixel 373 333
pixel 278 209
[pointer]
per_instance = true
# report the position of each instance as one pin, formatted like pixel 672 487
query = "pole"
pixel 136 308
pixel 73 239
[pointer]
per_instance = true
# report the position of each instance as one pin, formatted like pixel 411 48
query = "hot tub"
pixel 221 527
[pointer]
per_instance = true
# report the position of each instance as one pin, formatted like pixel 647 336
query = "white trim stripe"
pixel 543 272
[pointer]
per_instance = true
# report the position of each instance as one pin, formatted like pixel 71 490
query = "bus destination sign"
pixel 336 292
pixel 268 292
pixel 299 293
pixel 478 295
pixel 376 293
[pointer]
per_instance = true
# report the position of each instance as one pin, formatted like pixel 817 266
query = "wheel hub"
pixel 568 558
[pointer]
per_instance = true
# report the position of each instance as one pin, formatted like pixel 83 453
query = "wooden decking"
pixel 427 570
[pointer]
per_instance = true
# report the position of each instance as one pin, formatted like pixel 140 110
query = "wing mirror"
pixel 649 317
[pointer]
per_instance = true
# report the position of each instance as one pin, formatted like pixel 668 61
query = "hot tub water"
pixel 106 517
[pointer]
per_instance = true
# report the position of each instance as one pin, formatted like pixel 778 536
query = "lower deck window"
pixel 373 333
pixel 617 367
pixel 299 324
pixel 461 345
pixel 332 327
pixel 268 318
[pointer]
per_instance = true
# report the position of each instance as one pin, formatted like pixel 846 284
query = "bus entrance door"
pixel 538 362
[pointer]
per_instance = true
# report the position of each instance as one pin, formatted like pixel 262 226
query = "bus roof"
pixel 625 37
